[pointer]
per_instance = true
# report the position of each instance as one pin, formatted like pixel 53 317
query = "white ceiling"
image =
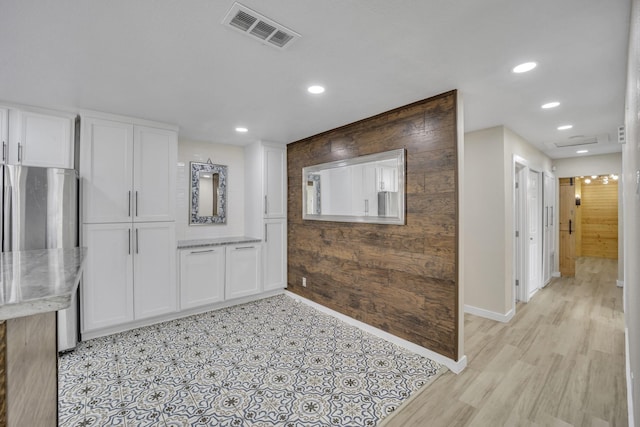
pixel 173 61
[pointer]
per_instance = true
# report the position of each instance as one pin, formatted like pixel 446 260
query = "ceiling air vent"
pixel 259 27
pixel 577 141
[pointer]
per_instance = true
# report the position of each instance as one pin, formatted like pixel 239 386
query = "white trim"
pixel 487 314
pixel 629 379
pixel 620 283
pixel 88 335
pixel 455 366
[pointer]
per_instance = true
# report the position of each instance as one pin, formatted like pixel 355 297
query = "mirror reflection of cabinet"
pixel 368 188
pixel 208 194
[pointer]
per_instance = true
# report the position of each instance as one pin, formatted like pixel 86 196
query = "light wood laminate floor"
pixel 559 362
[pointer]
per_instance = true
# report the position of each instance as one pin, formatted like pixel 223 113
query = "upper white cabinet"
pixel 37 137
pixel 128 171
pixel 275 179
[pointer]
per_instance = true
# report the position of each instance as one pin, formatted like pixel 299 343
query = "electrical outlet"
pixel 304 282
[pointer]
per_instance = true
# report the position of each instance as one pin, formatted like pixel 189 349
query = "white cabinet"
pixel 128 171
pixel 154 269
pixel 37 137
pixel 548 244
pixel 243 272
pixel 202 276
pixel 4 133
pixel 107 286
pixel 386 178
pixel 130 273
pixel 275 180
pixel 266 208
pixel 275 254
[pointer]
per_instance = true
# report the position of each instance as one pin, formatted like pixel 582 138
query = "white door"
pixel 154 269
pixel 534 222
pixel 106 170
pixel 275 200
pixel 548 255
pixel 275 254
pixel 42 140
pixel 107 285
pixel 201 276
pixel 243 276
pixel 154 177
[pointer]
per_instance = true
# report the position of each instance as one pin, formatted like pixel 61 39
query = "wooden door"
pixel 567 222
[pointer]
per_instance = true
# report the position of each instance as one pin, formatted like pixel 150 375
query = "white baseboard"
pixel 629 380
pixel 556 274
pixel 481 312
pixel 455 366
pixel 620 283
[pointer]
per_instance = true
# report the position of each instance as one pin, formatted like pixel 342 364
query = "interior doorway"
pixel 529 231
pixel 588 219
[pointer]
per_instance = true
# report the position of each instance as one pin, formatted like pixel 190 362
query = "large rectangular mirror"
pixel 368 188
pixel 208 194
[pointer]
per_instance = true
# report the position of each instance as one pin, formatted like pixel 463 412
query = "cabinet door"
pixel 154 177
pixel 107 285
pixel 154 269
pixel 42 140
pixel 275 254
pixel 106 170
pixel 243 271
pixel 4 134
pixel 201 276
pixel 275 179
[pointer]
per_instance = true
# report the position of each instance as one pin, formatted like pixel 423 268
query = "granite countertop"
pixel 38 281
pixel 220 241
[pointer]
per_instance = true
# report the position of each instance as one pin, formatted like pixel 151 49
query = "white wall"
pixel 488 212
pixel 484 216
pixel 631 217
pixel 603 164
pixel 233 158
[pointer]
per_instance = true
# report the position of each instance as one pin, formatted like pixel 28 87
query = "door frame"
pixel 521 267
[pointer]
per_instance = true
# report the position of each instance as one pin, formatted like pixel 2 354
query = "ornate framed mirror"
pixel 208 194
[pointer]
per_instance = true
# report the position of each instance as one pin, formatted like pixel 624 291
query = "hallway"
pixel 559 362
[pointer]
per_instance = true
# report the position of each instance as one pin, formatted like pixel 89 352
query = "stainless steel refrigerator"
pixel 40 211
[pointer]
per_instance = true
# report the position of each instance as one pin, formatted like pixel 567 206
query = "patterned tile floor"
pixel 273 362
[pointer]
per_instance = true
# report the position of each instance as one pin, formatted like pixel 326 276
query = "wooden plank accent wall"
pixel 600 219
pixel 401 279
pixel 3 373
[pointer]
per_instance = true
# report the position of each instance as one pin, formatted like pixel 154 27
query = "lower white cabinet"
pixel 275 254
pixel 130 273
pixel 202 275
pixel 107 281
pixel 154 269
pixel 244 272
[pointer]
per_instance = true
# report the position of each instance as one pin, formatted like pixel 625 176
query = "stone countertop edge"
pixel 220 241
pixel 39 281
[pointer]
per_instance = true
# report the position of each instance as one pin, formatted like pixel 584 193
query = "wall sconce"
pixel 577 200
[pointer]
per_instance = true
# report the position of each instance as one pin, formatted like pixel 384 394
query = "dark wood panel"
pixel 3 373
pixel 401 279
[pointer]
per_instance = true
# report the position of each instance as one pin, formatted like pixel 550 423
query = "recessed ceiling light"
pixel 594 176
pixel 587 181
pixel 565 127
pixel 523 68
pixel 553 104
pixel 582 151
pixel 242 130
pixel 315 89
